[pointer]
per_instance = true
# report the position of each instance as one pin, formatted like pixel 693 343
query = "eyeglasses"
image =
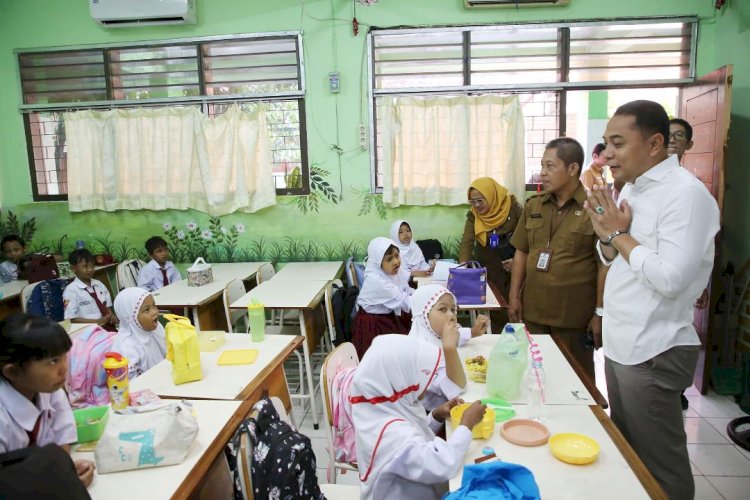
pixel 476 202
pixel 679 135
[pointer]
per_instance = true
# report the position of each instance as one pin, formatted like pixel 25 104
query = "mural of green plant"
pixel 370 200
pixel 226 237
pixel 450 247
pixel 320 190
pixel 188 244
pixel 13 225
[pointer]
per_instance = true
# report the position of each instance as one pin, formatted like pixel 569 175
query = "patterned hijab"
pixel 151 345
pixel 499 202
pixel 422 301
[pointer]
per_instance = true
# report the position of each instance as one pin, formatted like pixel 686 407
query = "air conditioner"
pixel 514 3
pixel 122 13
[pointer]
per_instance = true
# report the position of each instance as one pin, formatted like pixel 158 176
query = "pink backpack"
pixel 87 380
pixel 344 446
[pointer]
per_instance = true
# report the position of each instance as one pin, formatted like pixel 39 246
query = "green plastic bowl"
pixel 91 431
pixel 503 410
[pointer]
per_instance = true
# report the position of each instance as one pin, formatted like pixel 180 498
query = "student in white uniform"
pixel 412 258
pixel 398 455
pixel 160 271
pixel 140 337
pixel 13 248
pixel 34 409
pixel 87 300
pixel 434 321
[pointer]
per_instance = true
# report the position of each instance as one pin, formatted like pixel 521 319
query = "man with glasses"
pixel 680 137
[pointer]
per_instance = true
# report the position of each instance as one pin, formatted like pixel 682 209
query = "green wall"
pixel 288 234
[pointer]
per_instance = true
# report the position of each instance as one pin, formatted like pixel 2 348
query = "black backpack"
pixel 344 303
pixel 430 248
pixel 283 461
pixel 22 470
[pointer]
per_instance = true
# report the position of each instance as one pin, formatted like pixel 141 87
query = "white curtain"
pixel 169 158
pixel 433 147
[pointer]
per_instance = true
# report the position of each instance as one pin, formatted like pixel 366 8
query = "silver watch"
pixel 616 234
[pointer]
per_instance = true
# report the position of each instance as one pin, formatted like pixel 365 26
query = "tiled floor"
pixel 720 468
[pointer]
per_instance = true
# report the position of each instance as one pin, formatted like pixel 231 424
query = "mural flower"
pixel 224 230
pixel 180 235
pixel 192 226
pixel 240 228
pixel 206 234
pixel 167 226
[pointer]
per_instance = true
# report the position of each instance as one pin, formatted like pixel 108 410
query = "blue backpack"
pixel 46 299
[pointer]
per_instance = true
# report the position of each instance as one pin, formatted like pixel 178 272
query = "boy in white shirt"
pixel 13 248
pixel 87 300
pixel 160 271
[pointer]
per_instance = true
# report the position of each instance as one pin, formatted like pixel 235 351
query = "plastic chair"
pixel 26 293
pixel 232 292
pixel 127 273
pixel 265 273
pixel 344 356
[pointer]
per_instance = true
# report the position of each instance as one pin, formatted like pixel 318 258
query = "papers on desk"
pixel 441 270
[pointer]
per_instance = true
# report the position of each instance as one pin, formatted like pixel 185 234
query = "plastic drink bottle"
pixel 256 314
pixel 116 367
pixel 506 365
pixel 536 403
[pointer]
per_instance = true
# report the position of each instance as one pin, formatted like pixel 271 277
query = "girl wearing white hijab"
pixel 434 310
pixel 412 258
pixel 398 455
pixel 140 337
pixel 384 303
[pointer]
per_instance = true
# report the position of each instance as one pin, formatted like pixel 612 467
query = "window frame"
pixel 561 86
pixel 204 100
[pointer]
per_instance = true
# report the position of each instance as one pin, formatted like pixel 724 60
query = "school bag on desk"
pixel 469 283
pixel 38 267
pixel 183 349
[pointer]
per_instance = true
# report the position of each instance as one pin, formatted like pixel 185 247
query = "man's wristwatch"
pixel 615 234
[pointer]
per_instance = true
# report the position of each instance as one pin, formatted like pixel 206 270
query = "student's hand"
pixel 702 301
pixel 450 335
pixel 508 264
pixel 104 320
pixel 85 470
pixel 515 310
pixel 444 410
pixel 595 327
pixel 473 414
pixel 480 326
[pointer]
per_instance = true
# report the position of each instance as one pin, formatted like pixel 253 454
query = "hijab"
pixel 379 286
pixel 412 258
pixel 499 202
pixel 151 346
pixel 386 411
pixel 423 300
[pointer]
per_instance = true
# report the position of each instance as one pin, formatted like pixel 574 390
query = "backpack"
pixel 344 445
pixel 430 248
pixel 46 299
pixel 87 381
pixel 283 461
pixel 344 303
pixel 127 273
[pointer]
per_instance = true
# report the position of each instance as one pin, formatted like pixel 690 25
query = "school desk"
pixel 299 271
pixel 302 296
pixel 227 382
pixel 203 473
pixel 10 302
pixel 205 302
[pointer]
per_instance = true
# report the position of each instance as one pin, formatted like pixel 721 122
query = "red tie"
pixel 102 309
pixel 165 280
pixel 34 433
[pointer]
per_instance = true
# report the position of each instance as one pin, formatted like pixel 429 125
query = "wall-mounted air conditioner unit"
pixel 514 3
pixel 122 13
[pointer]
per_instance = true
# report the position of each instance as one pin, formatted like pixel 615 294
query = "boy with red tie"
pixel 160 271
pixel 87 300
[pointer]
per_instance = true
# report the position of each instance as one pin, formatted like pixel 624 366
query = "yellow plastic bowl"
pixel 483 429
pixel 574 449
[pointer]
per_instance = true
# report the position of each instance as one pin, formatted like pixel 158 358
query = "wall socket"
pixel 362 137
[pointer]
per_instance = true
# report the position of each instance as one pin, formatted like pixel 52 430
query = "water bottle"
pixel 506 365
pixel 535 406
pixel 256 314
pixel 116 367
pixel 80 244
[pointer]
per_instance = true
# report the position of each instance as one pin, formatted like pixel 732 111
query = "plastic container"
pixel 535 379
pixel 90 422
pixel 507 364
pixel 574 449
pixel 116 367
pixel 524 432
pixel 476 368
pixel 256 313
pixel 503 410
pixel 483 429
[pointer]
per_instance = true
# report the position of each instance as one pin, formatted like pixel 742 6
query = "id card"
pixel 545 256
pixel 494 240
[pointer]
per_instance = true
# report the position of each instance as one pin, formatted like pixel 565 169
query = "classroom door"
pixel 706 105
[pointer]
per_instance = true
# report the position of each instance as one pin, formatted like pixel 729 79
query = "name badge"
pixel 545 256
pixel 494 240
pixel 84 302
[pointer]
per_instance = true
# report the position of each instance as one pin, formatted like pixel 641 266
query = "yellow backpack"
pixel 183 349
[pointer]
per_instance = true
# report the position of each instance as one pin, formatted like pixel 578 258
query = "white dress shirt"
pixel 79 303
pixel 150 277
pixel 9 270
pixel 648 302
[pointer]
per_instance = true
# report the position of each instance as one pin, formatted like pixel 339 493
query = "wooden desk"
pixel 302 296
pixel 217 422
pixel 237 382
pixel 299 271
pixel 207 311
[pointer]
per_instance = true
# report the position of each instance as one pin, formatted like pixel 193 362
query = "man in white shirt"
pixel 660 245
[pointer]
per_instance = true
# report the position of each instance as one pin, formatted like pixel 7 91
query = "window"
pixel 210 72
pixel 540 62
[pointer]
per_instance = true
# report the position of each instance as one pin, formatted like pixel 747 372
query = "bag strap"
pixel 176 318
pixel 469 264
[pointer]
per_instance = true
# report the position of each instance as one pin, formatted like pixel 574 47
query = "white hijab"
pixel 151 346
pixel 386 410
pixel 422 301
pixel 412 258
pixel 378 286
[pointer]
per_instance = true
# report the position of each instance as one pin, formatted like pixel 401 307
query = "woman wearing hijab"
pixel 384 303
pixel 140 337
pixel 398 455
pixel 489 225
pixel 412 258
pixel 434 321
